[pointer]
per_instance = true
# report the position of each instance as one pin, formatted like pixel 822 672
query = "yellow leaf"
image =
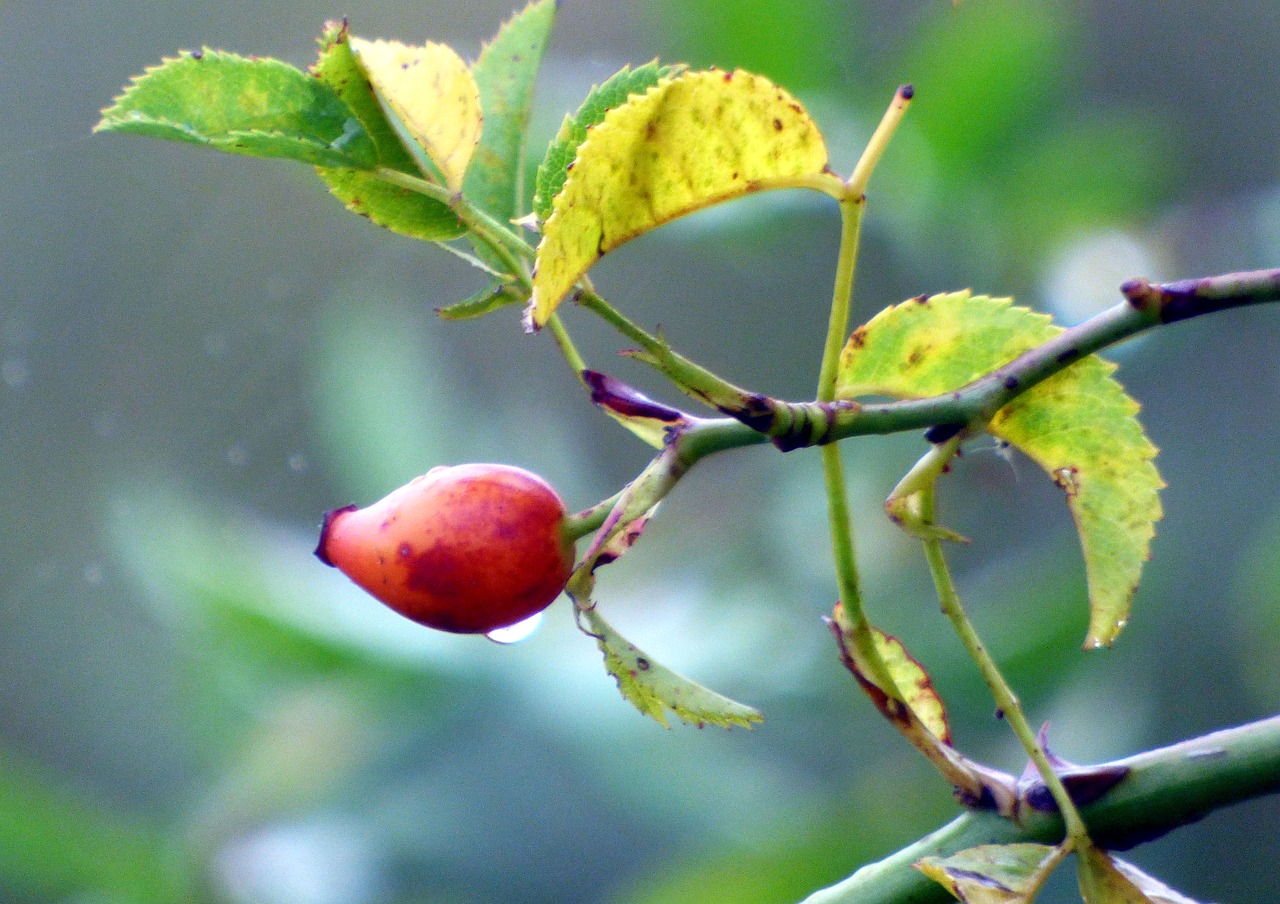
pixel 691 141
pixel 993 873
pixel 430 90
pixel 1105 879
pixel 915 685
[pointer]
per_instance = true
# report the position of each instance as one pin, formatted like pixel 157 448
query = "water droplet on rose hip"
pixel 517 632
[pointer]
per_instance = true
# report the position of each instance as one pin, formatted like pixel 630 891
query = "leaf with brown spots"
pixel 654 689
pixel 915 685
pixel 616 90
pixel 698 139
pixel 1078 425
pixel 432 94
pixel 391 206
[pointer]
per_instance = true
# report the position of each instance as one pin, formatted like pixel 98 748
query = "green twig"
pixel 1005 699
pixel 507 244
pixel 852 206
pixel 567 348
pixel 691 378
pixel 590 520
pixel 1151 306
pixel 861 175
pixel 840 524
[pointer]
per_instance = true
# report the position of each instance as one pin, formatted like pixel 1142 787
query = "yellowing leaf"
pixel 914 684
pixel 993 873
pixel 1079 425
pixel 430 90
pixel 653 688
pixel 691 141
pixel 1108 880
pixel 365 193
pixel 554 169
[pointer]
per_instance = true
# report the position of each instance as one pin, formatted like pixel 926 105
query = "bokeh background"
pixel 200 354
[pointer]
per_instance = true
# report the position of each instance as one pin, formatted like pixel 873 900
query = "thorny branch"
pixel 1161 790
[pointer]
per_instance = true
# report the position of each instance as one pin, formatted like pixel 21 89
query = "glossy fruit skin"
pixel 466 549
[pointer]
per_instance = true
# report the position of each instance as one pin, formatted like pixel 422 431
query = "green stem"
pixel 857 183
pixel 567 348
pixel 690 377
pixel 851 210
pixel 1150 306
pixel 1163 789
pixel 1003 695
pixel 840 524
pixel 509 245
pixel 590 520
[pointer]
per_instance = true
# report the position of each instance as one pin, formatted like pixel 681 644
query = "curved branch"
pixel 1162 790
pixel 795 425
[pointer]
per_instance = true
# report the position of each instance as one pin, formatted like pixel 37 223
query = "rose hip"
pixel 466 549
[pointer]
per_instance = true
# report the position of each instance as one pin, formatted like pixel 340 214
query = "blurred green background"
pixel 200 354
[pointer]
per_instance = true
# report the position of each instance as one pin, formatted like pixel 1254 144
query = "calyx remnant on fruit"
pixel 467 549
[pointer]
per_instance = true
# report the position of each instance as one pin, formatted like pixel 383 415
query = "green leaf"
pixel 57 844
pixel 690 142
pixel 259 108
pixel 1109 880
pixel 433 94
pixel 396 208
pixel 483 302
pixel 1078 425
pixel 993 873
pixel 505 74
pixel 554 169
pixel 654 689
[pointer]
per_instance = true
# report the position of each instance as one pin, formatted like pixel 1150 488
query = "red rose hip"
pixel 466 549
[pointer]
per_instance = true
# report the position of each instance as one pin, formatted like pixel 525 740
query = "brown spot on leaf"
pixel 1068 480
pixel 977 878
